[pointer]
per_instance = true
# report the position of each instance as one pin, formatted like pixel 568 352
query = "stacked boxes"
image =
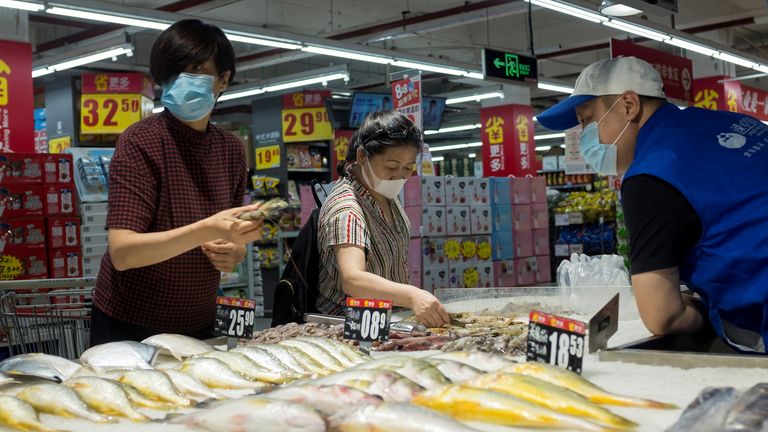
pixel 94 236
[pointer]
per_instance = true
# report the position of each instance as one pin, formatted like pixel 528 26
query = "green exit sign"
pixel 506 66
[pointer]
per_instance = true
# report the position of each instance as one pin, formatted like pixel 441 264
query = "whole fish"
pixel 105 396
pixel 216 374
pixel 177 345
pixel 246 367
pixel 155 385
pixel 41 366
pixel 707 412
pixel 480 360
pixel 453 370
pixel 390 386
pixel 390 417
pixel 750 412
pixel 416 370
pixel 140 400
pixel 574 382
pixel 352 353
pixel 283 354
pixel 20 415
pixel 304 359
pixel 327 399
pixel 125 355
pixel 549 395
pixel 320 354
pixel 255 414
pixel 470 404
pixel 5 379
pixel 191 386
pixel 339 350
pixel 265 360
pixel 59 400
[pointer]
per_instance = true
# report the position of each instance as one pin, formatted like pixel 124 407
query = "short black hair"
pixel 187 43
pixel 380 131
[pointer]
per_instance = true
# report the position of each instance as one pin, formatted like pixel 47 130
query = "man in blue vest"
pixel 695 196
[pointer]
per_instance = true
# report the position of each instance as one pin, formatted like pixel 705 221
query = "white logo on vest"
pixel 731 140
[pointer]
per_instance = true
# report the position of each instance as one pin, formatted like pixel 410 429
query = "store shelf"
pixel 235 285
pixel 308 170
pixel 288 234
pixel 310 144
pixel 575 186
pixel 550 171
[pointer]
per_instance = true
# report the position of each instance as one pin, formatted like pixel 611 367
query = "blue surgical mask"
pixel 189 97
pixel 601 157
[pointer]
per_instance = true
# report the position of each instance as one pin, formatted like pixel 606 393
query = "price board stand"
pixel 556 340
pixel 235 318
pixel 366 321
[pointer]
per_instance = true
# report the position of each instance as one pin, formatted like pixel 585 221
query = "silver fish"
pixel 20 415
pixel 328 399
pixel 334 350
pixel 390 386
pixel 321 355
pixel 284 355
pixel 125 355
pixel 154 385
pixel 255 414
pixel 5 379
pixel 177 345
pixel 140 400
pixel 306 361
pixel 481 360
pixel 59 400
pixel 216 374
pixel 707 412
pixel 264 359
pixel 191 386
pixel 40 366
pixel 453 370
pixel 105 396
pixel 247 368
pixel 390 417
pixel 416 370
pixel 750 411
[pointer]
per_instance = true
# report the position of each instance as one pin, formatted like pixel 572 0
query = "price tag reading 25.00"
pixel 235 317
pixel 367 320
pixel 556 340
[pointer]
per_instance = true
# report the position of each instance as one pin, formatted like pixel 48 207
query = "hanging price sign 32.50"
pixel 367 320
pixel 112 113
pixel 235 317
pixel 556 340
pixel 306 124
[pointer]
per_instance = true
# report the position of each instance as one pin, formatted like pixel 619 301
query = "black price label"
pixel 556 340
pixel 235 317
pixel 367 320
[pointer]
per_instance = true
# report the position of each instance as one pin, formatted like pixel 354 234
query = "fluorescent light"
pixel 762 68
pixel 544 148
pixel 260 41
pixel 347 54
pixel 41 72
pixel 27 6
pixel 475 98
pixel 549 136
pixel 637 30
pixel 472 155
pixel 158 109
pixel 79 61
pixel 565 8
pixel 730 58
pixel 614 8
pixel 104 17
pixel 438 159
pixel 455 146
pixel 555 87
pixel 284 86
pixel 475 75
pixel 241 94
pixel 453 129
pixel 691 46
pixel 428 67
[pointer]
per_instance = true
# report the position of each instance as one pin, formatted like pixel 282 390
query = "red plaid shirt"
pixel 165 175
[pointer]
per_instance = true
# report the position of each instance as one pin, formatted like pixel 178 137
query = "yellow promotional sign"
pixel 306 124
pixel 4 69
pixel 268 157
pixel 58 145
pixel 112 113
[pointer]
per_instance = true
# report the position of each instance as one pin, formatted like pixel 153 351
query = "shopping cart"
pixel 49 316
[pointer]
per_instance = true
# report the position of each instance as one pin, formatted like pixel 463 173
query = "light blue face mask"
pixel 601 157
pixel 189 97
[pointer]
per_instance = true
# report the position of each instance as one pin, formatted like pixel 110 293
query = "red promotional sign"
pixel 305 99
pixel 406 94
pixel 507 135
pixel 123 83
pixel 16 98
pixel 676 71
pixel 341 140
pixel 715 94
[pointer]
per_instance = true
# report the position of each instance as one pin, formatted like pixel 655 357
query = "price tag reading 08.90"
pixel 556 340
pixel 235 317
pixel 367 320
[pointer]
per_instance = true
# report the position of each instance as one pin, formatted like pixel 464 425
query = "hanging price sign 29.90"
pixel 367 320
pixel 556 340
pixel 235 317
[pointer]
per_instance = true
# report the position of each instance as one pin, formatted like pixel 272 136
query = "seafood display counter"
pixel 471 376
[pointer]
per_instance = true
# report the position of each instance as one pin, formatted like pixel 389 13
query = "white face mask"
pixel 387 188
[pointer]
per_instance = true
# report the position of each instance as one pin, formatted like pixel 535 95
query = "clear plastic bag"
pixel 588 283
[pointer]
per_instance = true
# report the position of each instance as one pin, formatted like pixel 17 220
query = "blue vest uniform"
pixel 719 161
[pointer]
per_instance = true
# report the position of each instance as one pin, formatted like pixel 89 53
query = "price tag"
pixel 562 250
pixel 562 219
pixel 306 124
pixel 576 218
pixel 555 340
pixel 267 157
pixel 58 145
pixel 367 320
pixel 112 113
pixel 235 317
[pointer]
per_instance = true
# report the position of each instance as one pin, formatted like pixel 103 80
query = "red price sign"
pixel 110 113
pixel 367 320
pixel 306 124
pixel 268 157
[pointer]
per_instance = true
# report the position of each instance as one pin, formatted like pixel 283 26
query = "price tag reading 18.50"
pixel 556 340
pixel 235 317
pixel 367 320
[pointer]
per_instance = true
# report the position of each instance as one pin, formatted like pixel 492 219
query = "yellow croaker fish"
pixel 177 345
pixel 471 404
pixel 241 364
pixel 216 374
pixel 416 370
pixel 105 396
pixel 59 400
pixel 286 353
pixel 327 399
pixel 395 418
pixel 486 362
pixel 267 360
pixel 342 352
pixel 20 415
pixel 140 400
pixel 574 382
pixel 390 386
pixel 191 386
pixel 155 385
pixel 319 354
pixel 548 395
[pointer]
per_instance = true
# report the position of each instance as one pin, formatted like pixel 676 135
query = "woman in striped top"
pixel 363 231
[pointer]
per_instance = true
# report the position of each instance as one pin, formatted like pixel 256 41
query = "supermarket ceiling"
pixel 449 32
